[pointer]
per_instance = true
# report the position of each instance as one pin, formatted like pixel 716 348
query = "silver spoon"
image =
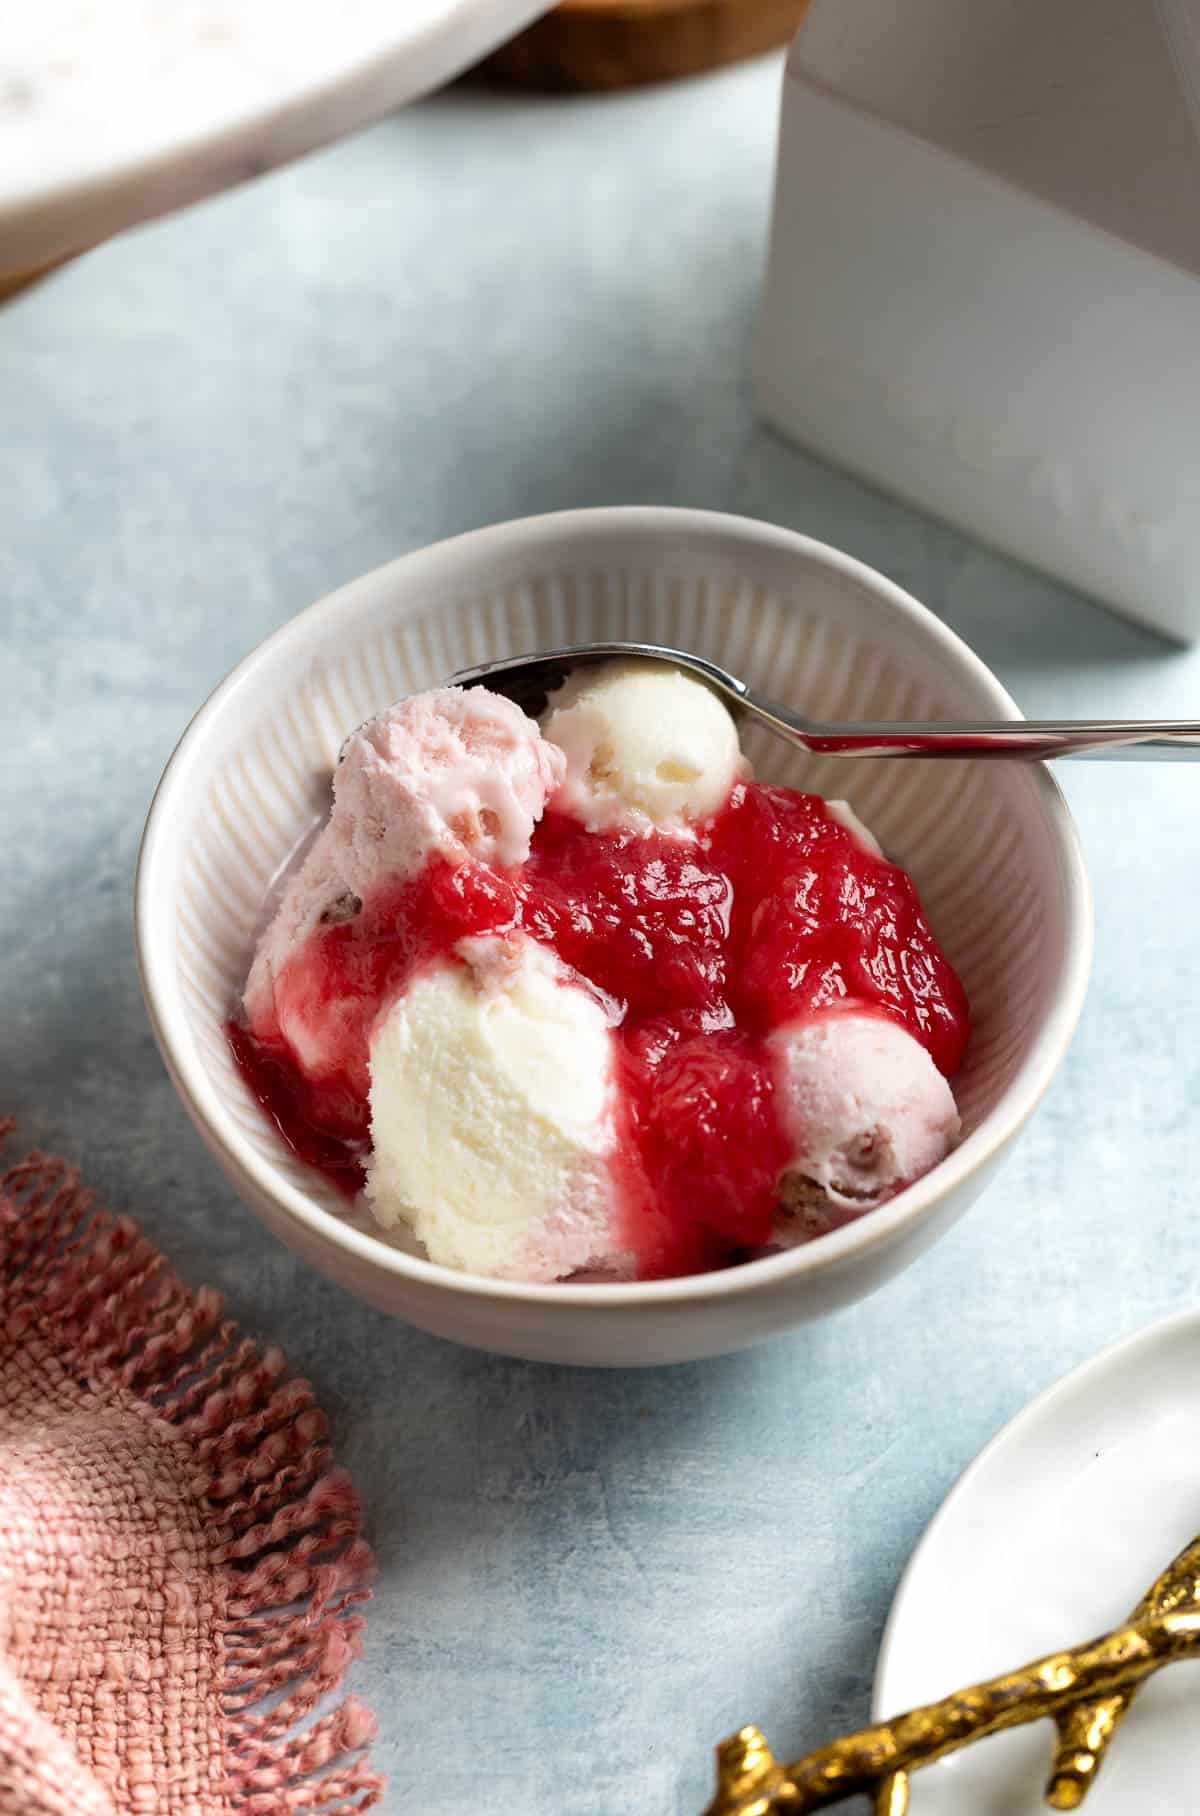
pixel 530 680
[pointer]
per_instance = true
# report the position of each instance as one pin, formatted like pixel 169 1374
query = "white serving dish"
pixel 983 289
pixel 992 847
pixel 1051 1537
pixel 115 111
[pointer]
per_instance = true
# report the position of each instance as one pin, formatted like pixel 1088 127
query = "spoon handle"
pixel 1031 739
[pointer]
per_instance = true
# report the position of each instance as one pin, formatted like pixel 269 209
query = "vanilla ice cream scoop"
pixel 492 1107
pixel 645 746
pixel 863 1105
pixel 448 773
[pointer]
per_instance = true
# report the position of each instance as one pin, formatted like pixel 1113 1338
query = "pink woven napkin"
pixel 179 1565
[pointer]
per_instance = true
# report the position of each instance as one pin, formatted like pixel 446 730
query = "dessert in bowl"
pixel 585 1000
pixel 991 851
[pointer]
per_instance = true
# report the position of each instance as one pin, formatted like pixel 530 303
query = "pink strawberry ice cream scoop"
pixel 452 773
pixel 865 1109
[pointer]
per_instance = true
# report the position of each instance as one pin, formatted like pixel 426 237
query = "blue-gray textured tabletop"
pixel 481 308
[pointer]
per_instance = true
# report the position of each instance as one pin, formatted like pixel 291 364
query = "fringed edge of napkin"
pixel 294 1562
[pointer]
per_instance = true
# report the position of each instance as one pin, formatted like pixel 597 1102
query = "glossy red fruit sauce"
pixel 703 947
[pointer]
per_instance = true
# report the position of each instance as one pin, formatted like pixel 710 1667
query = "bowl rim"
pixel 258 1179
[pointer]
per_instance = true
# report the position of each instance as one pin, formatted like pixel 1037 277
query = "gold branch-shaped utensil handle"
pixel 1086 1690
pixel 1085 1730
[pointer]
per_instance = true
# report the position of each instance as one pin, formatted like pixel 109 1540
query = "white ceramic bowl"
pixel 992 847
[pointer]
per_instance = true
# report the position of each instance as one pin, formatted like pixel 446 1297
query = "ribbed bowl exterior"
pixel 991 846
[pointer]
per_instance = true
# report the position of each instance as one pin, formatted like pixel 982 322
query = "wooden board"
pixel 12 282
pixel 586 44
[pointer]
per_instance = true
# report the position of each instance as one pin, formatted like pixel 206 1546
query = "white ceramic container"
pixel 983 289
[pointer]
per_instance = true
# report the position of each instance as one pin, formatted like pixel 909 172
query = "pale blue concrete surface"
pixel 482 308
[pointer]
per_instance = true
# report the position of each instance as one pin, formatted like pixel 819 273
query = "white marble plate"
pixel 1050 1538
pixel 113 111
